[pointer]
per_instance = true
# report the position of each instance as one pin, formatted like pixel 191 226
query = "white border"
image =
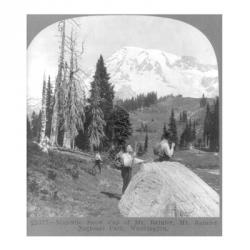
pixel 236 72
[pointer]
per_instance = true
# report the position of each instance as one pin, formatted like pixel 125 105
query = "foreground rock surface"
pixel 168 189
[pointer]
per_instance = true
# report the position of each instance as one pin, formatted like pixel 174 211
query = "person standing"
pixel 98 161
pixel 127 160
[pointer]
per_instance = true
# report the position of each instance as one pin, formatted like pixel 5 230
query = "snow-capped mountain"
pixel 135 70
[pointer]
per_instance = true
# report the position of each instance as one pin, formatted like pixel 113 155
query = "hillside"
pixel 61 184
pixel 156 115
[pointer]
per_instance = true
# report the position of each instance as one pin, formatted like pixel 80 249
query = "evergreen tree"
pixel 214 131
pixel 164 132
pixel 58 92
pixel 82 139
pixel 29 131
pixel 139 102
pixel 140 150
pixel 49 107
pixel 183 138
pixel 121 126
pixel 200 143
pixel 181 117
pixel 101 78
pixel 193 131
pixel 187 135
pixel 207 127
pixel 217 124
pixel 34 125
pixel 146 143
pixel 184 116
pixel 203 101
pixel 97 122
pixel 190 135
pixel 211 126
pixel 43 111
pixel 172 128
pixel 39 126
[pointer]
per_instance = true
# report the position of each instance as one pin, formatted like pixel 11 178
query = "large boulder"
pixel 168 189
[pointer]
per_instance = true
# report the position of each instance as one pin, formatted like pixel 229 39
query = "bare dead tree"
pixel 58 88
pixel 74 102
pixel 68 111
pixel 43 111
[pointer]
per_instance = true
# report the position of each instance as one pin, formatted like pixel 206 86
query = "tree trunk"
pixel 43 114
pixel 58 92
pixel 67 140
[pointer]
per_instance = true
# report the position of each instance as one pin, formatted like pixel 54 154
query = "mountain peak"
pixel 145 70
pixel 135 70
pixel 133 52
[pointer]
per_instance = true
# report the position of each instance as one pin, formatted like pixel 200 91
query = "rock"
pixel 168 189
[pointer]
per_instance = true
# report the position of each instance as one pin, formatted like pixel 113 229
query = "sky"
pixel 107 34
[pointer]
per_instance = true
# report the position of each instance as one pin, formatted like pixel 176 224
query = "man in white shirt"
pixel 127 160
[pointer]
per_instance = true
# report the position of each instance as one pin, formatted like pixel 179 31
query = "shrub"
pixel 33 186
pixel 55 195
pixel 57 160
pixel 51 174
pixel 73 171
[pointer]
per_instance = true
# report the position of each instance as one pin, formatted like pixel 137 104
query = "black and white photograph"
pixel 124 123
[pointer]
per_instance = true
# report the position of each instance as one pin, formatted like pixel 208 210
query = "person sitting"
pixel 163 149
